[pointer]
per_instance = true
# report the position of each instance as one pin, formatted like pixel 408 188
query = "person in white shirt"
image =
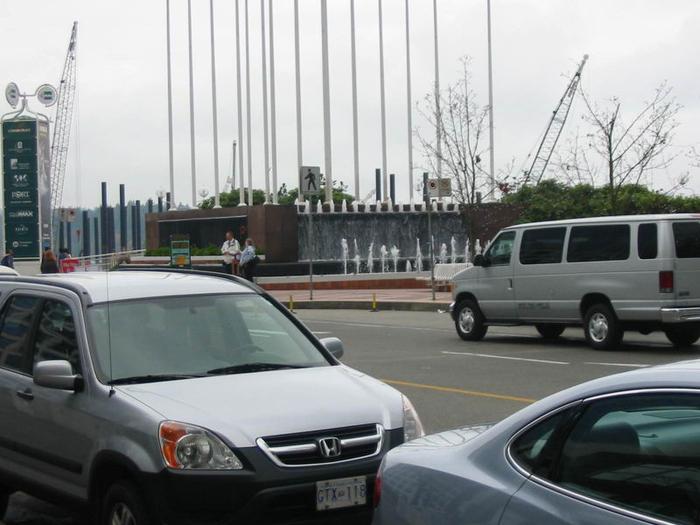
pixel 231 251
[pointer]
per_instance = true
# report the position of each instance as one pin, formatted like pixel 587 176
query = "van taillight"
pixel 666 282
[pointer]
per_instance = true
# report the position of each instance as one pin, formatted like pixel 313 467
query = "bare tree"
pixel 462 125
pixel 630 149
pixel 574 164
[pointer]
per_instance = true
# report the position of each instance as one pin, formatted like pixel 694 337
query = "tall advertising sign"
pixel 44 168
pixel 23 164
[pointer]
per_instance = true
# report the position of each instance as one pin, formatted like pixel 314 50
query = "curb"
pixel 404 306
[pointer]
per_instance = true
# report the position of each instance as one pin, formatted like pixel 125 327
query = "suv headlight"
pixel 190 447
pixel 412 426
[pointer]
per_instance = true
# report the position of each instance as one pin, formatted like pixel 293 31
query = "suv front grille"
pixel 324 447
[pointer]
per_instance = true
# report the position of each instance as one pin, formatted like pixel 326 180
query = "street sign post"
pixel 180 251
pixel 309 186
pixel 310 181
pixel 438 188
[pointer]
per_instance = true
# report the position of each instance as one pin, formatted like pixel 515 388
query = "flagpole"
pixel 491 148
pixel 385 176
pixel 217 203
pixel 247 94
pixel 193 163
pixel 355 140
pixel 170 104
pixel 297 80
pixel 438 117
pixel 266 144
pixel 326 106
pixel 239 103
pixel 273 111
pixel 409 104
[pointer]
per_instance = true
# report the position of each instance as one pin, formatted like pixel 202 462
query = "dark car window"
pixel 687 237
pixel 55 336
pixel 17 319
pixel 647 241
pixel 533 450
pixel 638 452
pixel 501 249
pixel 610 242
pixel 544 246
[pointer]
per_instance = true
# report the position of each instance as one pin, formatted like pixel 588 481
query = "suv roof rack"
pixel 233 278
pixel 76 288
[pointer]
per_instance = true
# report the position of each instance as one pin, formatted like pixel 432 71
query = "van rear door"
pixel 686 238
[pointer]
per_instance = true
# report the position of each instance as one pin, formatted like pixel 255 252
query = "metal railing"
pixel 99 263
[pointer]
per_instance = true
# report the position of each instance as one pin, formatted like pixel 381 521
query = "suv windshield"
pixel 169 338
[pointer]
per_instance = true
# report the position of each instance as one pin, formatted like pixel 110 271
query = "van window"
pixel 544 246
pixel 501 249
pixel 610 242
pixel 687 237
pixel 647 241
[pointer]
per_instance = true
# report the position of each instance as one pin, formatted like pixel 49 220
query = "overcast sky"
pixel 121 134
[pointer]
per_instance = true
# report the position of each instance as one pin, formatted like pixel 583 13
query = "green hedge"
pixel 552 200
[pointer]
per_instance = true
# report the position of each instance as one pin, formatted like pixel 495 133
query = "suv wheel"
pixel 123 506
pixel 550 331
pixel 4 500
pixel 683 336
pixel 602 329
pixel 469 321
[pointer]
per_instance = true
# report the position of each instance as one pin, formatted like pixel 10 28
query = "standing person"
pixel 49 264
pixel 249 260
pixel 231 251
pixel 9 259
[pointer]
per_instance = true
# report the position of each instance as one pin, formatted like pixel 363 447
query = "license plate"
pixel 340 493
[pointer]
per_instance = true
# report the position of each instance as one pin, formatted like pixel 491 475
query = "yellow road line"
pixel 451 390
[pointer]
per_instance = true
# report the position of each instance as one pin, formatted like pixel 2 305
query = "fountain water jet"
pixel 344 249
pixel 443 253
pixel 370 258
pixel 419 257
pixel 395 256
pixel 357 258
pixel 453 250
pixel 382 256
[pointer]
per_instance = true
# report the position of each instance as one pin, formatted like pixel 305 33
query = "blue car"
pixel 620 450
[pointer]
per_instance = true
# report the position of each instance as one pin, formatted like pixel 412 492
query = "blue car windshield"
pixel 196 335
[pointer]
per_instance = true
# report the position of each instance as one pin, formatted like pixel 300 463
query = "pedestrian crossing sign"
pixel 310 180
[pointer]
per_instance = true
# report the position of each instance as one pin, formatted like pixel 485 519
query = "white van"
pixel 607 274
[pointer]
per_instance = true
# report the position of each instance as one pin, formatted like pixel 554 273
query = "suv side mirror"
pixel 57 374
pixel 481 260
pixel 334 346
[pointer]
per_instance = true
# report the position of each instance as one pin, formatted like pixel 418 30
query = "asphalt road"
pixel 452 383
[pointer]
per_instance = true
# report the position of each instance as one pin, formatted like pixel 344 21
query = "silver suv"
pixel 609 274
pixel 168 397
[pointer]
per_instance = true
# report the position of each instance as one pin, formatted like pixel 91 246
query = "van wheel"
pixel 469 321
pixel 123 506
pixel 683 336
pixel 602 329
pixel 550 331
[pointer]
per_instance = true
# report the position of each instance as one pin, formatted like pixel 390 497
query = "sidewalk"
pixel 417 300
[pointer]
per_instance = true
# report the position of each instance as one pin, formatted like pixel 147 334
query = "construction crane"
pixel 554 128
pixel 62 125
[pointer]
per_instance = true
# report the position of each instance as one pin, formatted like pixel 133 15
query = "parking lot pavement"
pixel 451 382
pixel 455 383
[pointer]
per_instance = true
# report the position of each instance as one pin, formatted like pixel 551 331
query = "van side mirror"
pixel 481 260
pixel 57 374
pixel 334 346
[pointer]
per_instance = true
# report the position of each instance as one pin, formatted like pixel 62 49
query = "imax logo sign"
pixel 24 214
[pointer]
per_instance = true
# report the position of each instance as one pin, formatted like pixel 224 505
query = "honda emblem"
pixel 329 447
